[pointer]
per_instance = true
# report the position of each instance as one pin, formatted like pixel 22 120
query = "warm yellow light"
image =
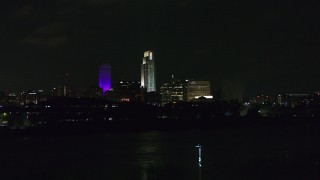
pixel 146 54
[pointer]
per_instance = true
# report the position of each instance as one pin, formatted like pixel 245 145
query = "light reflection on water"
pixel 155 152
pixel 245 153
pixel 143 156
pixel 148 155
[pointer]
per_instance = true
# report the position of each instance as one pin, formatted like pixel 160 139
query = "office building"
pixel 295 100
pixel 63 85
pixel 172 91
pixel 127 90
pixel 198 89
pixel 105 77
pixel 31 96
pixel 148 76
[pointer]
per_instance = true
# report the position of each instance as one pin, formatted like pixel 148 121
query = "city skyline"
pixel 106 83
pixel 256 47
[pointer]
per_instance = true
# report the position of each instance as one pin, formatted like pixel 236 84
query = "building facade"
pixel 198 89
pixel 148 75
pixel 127 90
pixel 172 91
pixel 105 77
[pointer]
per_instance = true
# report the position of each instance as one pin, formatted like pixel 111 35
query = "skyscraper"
pixel 105 77
pixel 148 76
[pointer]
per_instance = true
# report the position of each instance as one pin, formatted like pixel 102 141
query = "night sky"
pixel 255 47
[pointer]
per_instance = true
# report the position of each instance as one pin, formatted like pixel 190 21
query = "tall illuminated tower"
pixel 148 76
pixel 105 77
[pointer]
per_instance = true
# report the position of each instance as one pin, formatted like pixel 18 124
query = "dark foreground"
pixel 229 153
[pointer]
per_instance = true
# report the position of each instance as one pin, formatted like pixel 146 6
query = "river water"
pixel 227 153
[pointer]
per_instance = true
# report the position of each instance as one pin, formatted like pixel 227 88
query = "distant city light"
pixel 207 97
pixel 125 100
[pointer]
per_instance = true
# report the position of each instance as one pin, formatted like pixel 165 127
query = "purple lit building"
pixel 105 77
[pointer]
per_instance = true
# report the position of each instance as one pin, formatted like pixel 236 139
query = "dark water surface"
pixel 228 154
